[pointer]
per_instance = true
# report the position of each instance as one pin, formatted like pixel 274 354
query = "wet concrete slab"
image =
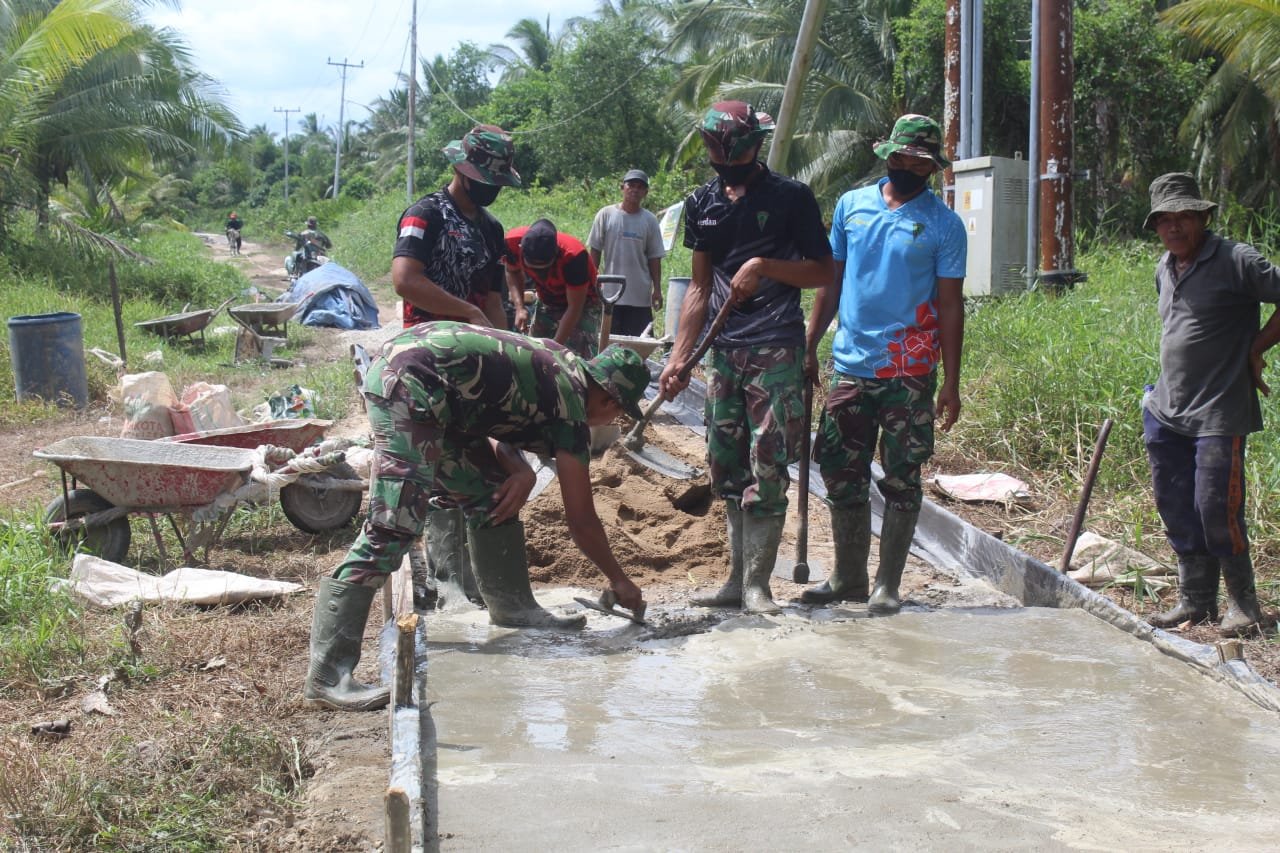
pixel 955 729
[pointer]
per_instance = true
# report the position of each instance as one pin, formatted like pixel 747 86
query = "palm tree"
pixel 535 49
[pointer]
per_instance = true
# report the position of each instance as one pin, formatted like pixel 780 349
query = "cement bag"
pixel 148 406
pixel 210 407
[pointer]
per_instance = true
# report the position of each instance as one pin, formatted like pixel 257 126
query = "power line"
pixel 342 98
pixel 286 147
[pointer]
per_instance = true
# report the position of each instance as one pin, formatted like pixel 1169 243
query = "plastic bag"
pixel 149 402
pixel 210 406
pixel 294 402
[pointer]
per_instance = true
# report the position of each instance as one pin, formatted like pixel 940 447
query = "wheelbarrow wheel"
pixel 109 541
pixel 313 510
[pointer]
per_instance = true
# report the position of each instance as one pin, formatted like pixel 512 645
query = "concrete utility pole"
pixel 286 149
pixel 413 94
pixel 951 97
pixel 801 59
pixel 342 102
pixel 1057 156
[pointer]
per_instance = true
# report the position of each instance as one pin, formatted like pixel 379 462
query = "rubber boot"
pixel 896 534
pixel 1197 593
pixel 337 630
pixel 424 585
pixel 851 535
pixel 729 595
pixel 761 536
pixel 1243 614
pixel 502 572
pixel 449 561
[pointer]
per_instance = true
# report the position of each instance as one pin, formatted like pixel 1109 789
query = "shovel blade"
pixel 664 463
pixel 786 569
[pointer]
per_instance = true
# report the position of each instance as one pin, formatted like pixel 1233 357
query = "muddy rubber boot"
pixel 895 543
pixel 502 572
pixel 424 585
pixel 761 536
pixel 729 595
pixel 449 560
pixel 851 535
pixel 1197 593
pixel 1243 617
pixel 337 630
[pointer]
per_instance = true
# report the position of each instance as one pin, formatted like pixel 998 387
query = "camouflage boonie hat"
pixel 731 128
pixel 917 135
pixel 1174 193
pixel 485 154
pixel 621 372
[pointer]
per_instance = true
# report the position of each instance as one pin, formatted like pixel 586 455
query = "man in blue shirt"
pixel 900 257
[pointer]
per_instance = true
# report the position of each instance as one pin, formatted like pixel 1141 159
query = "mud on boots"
pixel 851 535
pixel 502 573
pixel 761 535
pixel 337 631
pixel 896 533
pixel 729 595
pixel 1244 617
pixel 448 560
pixel 1197 593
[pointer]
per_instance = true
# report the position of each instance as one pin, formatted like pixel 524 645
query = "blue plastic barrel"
pixel 47 352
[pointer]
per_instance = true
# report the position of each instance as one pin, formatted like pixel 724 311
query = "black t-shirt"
pixel 462 256
pixel 777 218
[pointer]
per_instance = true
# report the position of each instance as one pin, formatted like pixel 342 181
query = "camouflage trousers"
pixel 544 321
pixel 901 412
pixel 414 450
pixel 753 415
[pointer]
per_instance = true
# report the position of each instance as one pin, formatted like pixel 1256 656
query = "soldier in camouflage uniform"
pixel 455 404
pixel 900 263
pixel 447 265
pixel 757 239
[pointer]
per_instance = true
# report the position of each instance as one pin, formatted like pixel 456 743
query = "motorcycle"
pixel 307 255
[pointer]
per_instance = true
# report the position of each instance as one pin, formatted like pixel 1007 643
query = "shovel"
pixel 800 568
pixel 633 442
pixel 611 287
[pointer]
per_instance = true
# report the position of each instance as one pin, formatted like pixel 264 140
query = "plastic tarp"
pixel 334 296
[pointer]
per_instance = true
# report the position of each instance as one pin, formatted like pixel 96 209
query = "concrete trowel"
pixel 608 603
pixel 633 442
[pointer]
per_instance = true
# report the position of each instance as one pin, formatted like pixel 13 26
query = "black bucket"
pixel 47 351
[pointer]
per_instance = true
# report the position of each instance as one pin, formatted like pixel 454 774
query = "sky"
pixel 275 55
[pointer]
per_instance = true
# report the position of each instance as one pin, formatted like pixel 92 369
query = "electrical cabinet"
pixel 991 199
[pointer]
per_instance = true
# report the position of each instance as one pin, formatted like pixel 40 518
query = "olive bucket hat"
pixel 917 135
pixel 485 154
pixel 621 372
pixel 1174 193
pixel 731 128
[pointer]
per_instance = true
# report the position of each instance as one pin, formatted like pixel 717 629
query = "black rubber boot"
pixel 337 630
pixel 502 573
pixel 1197 593
pixel 1244 617
pixel 851 535
pixel 449 560
pixel 896 534
pixel 729 595
pixel 761 535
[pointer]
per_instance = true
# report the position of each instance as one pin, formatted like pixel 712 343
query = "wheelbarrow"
pixel 265 319
pixel 185 324
pixel 194 486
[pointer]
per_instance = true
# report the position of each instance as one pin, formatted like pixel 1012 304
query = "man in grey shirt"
pixel 631 241
pixel 1205 403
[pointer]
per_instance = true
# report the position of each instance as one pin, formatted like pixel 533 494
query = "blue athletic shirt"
pixel 888 318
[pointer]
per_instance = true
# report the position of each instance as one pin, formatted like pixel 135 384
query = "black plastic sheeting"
pixel 954 546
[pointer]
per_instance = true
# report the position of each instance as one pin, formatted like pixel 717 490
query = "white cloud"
pixel 275 55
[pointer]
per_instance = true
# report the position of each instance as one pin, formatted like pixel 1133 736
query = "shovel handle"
pixel 800 574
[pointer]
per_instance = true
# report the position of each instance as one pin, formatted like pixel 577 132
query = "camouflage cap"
pixel 621 372
pixel 1174 193
pixel 732 128
pixel 917 135
pixel 485 154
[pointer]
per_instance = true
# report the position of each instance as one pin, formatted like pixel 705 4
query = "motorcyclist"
pixel 308 245
pixel 232 227
pixel 313 234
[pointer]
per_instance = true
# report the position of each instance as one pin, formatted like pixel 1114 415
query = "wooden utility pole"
pixel 342 102
pixel 801 59
pixel 413 95
pixel 1057 156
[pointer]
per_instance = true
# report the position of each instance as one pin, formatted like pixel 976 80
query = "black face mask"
pixel 482 194
pixel 906 181
pixel 737 175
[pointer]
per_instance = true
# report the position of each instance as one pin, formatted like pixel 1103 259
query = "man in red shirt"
pixel 563 275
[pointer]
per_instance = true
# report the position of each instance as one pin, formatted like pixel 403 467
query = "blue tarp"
pixel 337 297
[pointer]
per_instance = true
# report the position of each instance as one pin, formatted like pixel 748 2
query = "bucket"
pixel 676 288
pixel 47 352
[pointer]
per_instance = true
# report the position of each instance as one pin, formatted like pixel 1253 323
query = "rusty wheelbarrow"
pixel 266 319
pixel 185 324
